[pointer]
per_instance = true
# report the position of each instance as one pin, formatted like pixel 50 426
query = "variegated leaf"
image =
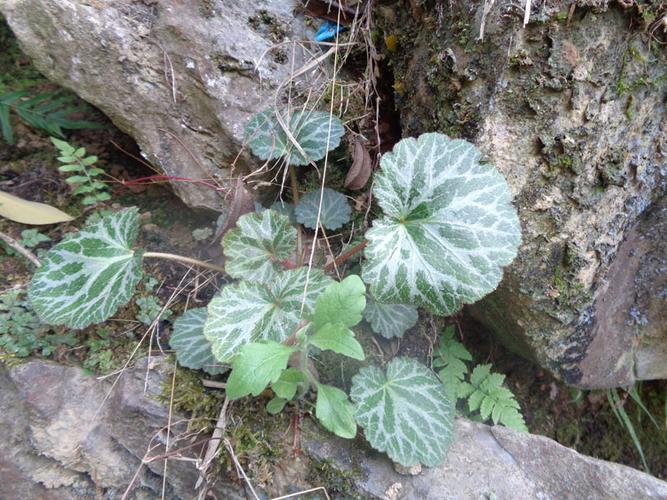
pixel 390 320
pixel 249 312
pixel 258 245
pixel 314 131
pixel 405 413
pixel 192 348
pixel 87 277
pixel 449 226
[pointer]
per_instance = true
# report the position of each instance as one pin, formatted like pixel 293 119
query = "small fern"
pixel 86 173
pixel 50 112
pixel 483 391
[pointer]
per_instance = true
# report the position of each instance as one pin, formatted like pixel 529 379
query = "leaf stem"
pixel 342 258
pixel 184 260
pixel 295 200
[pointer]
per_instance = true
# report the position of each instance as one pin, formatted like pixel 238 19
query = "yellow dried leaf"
pixel 30 212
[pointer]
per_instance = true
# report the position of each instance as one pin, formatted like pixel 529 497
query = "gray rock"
pixel 490 462
pixel 177 76
pixel 69 435
pixel 575 117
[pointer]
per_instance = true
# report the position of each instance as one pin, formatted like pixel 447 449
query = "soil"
pixel 583 421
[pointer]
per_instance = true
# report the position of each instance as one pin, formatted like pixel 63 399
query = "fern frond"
pixel 485 393
pixel 450 358
pixel 50 112
pixel 85 182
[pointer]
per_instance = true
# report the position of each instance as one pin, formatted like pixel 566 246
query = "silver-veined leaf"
pixel 249 312
pixel 405 413
pixel 258 245
pixel 86 278
pixel 192 348
pixel 448 227
pixel 390 320
pixel 335 209
pixel 314 131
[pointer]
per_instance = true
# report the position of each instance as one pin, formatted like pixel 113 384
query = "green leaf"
pixel 255 367
pixel 451 357
pixel 192 348
pixel 276 405
pixel 6 125
pixel 256 248
pixel 338 338
pixel 486 393
pixel 64 147
pixel 334 410
pixel 335 209
pixel 288 383
pixel 449 226
pixel 390 320
pixel 341 303
pixel 314 131
pixel 86 278
pixel 405 413
pixel 247 312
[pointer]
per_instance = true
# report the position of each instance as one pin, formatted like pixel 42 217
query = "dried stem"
pixel 295 199
pixel 342 258
pixel 185 260
pixel 20 249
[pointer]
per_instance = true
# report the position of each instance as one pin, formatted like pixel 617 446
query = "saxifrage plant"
pixel 448 229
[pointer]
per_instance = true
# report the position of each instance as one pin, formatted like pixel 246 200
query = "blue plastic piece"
pixel 328 30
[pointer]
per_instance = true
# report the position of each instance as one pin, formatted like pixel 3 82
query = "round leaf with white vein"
pixel 249 312
pixel 448 227
pixel 192 348
pixel 86 278
pixel 405 413
pixel 314 131
pixel 258 245
pixel 390 320
pixel 335 211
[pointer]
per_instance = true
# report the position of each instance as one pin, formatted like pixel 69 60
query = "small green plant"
pixel 482 390
pixel 50 112
pixel 30 238
pixel 85 179
pixel 448 229
pixel 22 333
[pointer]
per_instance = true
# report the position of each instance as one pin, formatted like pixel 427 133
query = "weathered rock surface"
pixel 63 439
pixel 574 114
pixel 179 77
pixel 68 435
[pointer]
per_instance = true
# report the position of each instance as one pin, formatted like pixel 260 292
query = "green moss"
pixel 337 482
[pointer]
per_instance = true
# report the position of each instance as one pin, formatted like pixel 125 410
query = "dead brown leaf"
pixel 361 168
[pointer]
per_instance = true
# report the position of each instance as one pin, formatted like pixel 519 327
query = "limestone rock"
pixel 490 462
pixel 179 77
pixel 69 435
pixel 574 115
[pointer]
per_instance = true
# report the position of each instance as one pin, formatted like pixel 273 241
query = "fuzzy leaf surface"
pixel 335 213
pixel 258 245
pixel 192 348
pixel 86 278
pixel 338 338
pixel 448 227
pixel 342 303
pixel 405 412
pixel 311 129
pixel 390 320
pixel 248 312
pixel 257 365
pixel 334 410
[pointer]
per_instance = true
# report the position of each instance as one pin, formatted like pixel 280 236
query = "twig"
pixel 299 230
pixel 166 445
pixel 213 384
pixel 342 258
pixel 20 249
pixel 184 260
pixel 212 447
pixel 312 490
